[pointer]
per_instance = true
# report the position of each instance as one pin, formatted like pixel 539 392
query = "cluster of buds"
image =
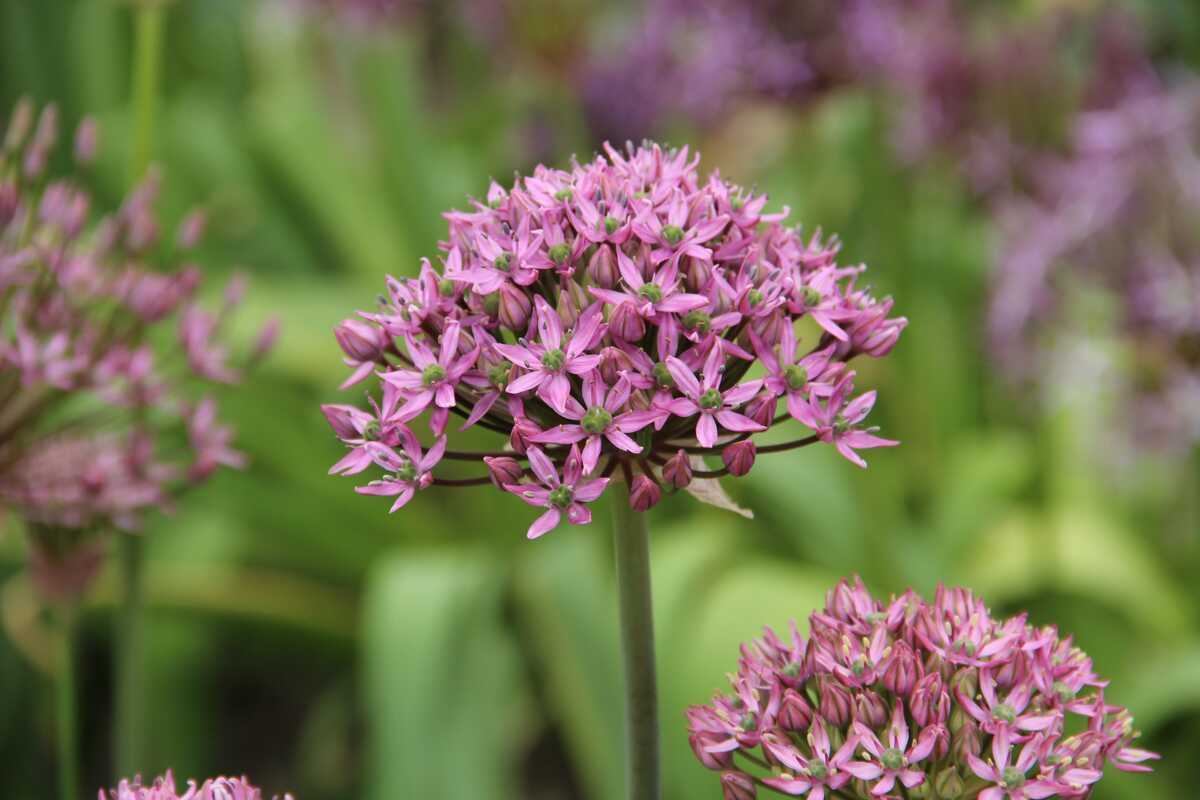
pixel 104 410
pixel 911 699
pixel 605 320
pixel 164 789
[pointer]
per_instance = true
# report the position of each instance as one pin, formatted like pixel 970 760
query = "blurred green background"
pixel 302 636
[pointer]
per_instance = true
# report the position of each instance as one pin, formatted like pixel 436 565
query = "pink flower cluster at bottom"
pixel 164 789
pixel 883 698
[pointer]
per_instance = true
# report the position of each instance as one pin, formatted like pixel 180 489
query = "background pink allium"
pixel 882 698
pixel 603 320
pixel 107 359
pixel 164 789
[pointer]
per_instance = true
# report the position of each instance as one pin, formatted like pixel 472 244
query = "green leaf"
pixel 446 700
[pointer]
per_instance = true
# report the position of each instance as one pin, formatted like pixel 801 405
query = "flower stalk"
pixel 130 677
pixel 67 705
pixel 632 545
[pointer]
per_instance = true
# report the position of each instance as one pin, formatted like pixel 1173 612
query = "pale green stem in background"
pixel 66 705
pixel 129 716
pixel 637 647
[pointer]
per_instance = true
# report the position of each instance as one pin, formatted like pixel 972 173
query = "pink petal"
pixel 542 466
pixel 733 421
pixel 588 491
pixel 706 430
pixel 544 524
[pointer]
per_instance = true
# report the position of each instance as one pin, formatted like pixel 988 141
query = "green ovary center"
pixel 502 261
pixel 755 297
pixel 892 758
pixel 562 195
pixel 796 376
pixel 611 224
pixel 697 321
pixel 596 420
pixel 498 375
pixel 672 233
pixel 433 374
pixel 1013 778
pixel 711 399
pixel 651 292
pixel 553 359
pixel 559 252
pixel 446 287
pixel 1004 713
pixel 840 425
pixel 662 375
pixel 561 497
pixel 816 770
pixel 811 296
pixel 407 473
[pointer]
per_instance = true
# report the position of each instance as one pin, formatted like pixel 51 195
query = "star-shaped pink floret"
pixel 601 419
pixel 893 762
pixel 433 378
pixel 706 399
pixel 558 495
pixel 1010 780
pixel 548 362
pixel 1004 714
pixel 834 421
pixel 411 472
pixel 815 774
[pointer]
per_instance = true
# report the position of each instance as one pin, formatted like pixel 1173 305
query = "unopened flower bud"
pixel 678 470
pixel 739 457
pixel 737 786
pixel 870 710
pixel 503 470
pixel 716 761
pixel 795 714
pixel 86 138
pixel 761 408
pixel 360 340
pixel 191 230
pixel 929 704
pixel 613 362
pixel 835 703
pixel 965 740
pixel 515 307
pixel 602 267
pixel 625 323
pixel 901 674
pixel 19 125
pixel 948 783
pixel 698 272
pixel 268 334
pixel 644 493
pixel 523 428
pixel 568 312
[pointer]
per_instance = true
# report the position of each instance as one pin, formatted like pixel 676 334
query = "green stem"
pixel 129 661
pixel 66 708
pixel 147 67
pixel 130 664
pixel 637 645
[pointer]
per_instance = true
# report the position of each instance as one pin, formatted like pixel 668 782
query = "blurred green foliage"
pixel 301 635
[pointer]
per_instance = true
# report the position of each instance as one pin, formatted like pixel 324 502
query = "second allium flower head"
pixel 606 319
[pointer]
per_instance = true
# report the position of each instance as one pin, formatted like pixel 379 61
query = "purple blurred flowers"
pixel 102 416
pixel 908 693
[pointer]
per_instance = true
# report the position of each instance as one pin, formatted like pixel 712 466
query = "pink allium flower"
pixel 163 788
pixel 868 706
pixel 96 389
pixel 602 321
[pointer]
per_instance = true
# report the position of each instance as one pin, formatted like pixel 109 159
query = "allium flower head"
pixel 163 788
pixel 604 321
pixel 107 360
pixel 873 704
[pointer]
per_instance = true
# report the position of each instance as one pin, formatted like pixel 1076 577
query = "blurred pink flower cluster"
pixel 882 698
pixel 106 356
pixel 609 318
pixel 164 789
